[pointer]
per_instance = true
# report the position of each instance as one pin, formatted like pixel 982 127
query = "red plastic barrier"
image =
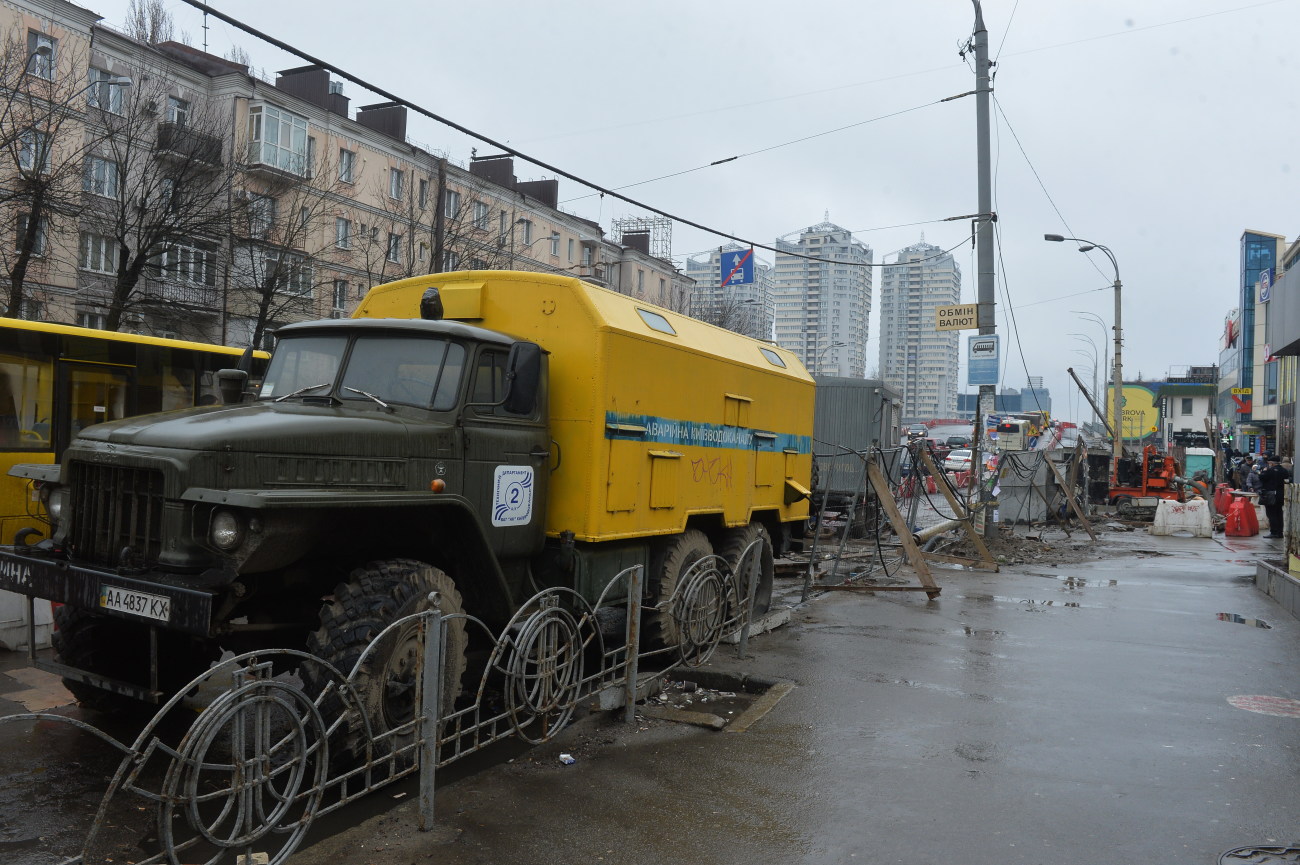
pixel 1242 522
pixel 1222 498
pixel 961 479
pixel 930 485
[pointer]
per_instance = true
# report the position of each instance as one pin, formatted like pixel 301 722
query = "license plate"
pixel 136 603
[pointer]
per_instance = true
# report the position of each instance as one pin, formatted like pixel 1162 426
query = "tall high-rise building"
pixel 823 300
pixel 915 359
pixel 747 308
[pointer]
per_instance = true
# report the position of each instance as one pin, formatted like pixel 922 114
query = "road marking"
pixel 1279 706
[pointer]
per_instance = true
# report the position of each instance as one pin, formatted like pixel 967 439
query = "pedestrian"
pixel 1252 477
pixel 1272 485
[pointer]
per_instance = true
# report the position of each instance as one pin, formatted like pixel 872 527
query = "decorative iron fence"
pixel 284 738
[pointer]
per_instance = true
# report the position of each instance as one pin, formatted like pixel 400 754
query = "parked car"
pixel 958 441
pixel 957 461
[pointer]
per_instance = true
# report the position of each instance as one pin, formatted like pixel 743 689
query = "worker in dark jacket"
pixel 1272 482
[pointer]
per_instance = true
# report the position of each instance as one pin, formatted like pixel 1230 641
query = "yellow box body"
pixel 651 427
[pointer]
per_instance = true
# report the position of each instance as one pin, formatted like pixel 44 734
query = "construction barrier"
pixel 1174 517
pixel 1222 498
pixel 1242 522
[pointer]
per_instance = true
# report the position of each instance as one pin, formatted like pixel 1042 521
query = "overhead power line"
pixel 505 148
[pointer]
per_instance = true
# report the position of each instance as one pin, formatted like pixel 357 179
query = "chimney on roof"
pixel 386 118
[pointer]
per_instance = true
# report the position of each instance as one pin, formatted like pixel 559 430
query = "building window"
pixel 97 253
pixel 1187 405
pixel 34 150
pixel 178 111
pixel 347 165
pixel 570 249
pixel 342 232
pixel 424 193
pixel 450 261
pixel 525 231
pixel 396 183
pixel 100 177
pixel 38 243
pixel 640 282
pixel 586 256
pixel 482 215
pixel 341 293
pixel 261 215
pixel 42 50
pixel 93 320
pixel 395 248
pixel 188 264
pixel 103 95
pixel 292 272
pixel 555 245
pixel 278 139
pixel 451 204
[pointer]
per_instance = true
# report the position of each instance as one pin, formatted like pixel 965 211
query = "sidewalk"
pixel 1065 714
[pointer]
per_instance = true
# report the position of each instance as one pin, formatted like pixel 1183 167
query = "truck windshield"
pixel 410 370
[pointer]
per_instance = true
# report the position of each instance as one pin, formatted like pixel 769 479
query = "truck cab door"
pixel 507 459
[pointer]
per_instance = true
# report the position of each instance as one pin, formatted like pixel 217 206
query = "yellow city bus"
pixel 55 380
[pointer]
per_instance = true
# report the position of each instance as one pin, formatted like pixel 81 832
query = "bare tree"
pixel 158 189
pixel 729 311
pixel 285 225
pixel 42 147
pixel 149 21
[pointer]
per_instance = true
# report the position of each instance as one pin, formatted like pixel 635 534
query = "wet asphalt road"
pixel 1069 715
pixel 1066 716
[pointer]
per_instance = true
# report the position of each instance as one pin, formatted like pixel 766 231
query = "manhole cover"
pixel 1279 706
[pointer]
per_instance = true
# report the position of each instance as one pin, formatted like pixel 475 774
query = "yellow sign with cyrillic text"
pixel 963 317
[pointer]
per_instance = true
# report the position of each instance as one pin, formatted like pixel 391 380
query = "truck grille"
pixel 114 508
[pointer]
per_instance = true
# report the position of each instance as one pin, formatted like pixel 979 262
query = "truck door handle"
pixel 539 454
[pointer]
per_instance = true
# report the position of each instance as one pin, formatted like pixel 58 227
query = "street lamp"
pixel 1117 447
pixel 821 353
pixel 1095 361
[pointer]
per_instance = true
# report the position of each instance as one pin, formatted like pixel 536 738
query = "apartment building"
pixel 197 200
pixel 915 359
pixel 823 299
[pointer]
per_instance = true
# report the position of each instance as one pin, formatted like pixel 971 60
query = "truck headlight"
pixel 227 530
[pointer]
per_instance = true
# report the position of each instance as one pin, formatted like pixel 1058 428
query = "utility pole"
pixel 984 233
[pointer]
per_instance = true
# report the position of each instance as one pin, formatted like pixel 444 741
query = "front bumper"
pixel 160 604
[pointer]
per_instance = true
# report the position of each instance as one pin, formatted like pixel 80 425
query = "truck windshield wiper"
pixel 371 395
pixel 302 390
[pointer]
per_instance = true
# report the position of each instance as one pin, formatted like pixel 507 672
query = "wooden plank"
pixel 901 528
pixel 968 525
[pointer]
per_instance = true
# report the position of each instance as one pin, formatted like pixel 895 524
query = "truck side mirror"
pixel 231 383
pixel 523 374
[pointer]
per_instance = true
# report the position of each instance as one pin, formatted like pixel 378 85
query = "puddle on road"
pixel 1029 602
pixel 1075 582
pixel 1241 620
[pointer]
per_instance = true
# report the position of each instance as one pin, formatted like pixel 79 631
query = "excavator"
pixel 1140 482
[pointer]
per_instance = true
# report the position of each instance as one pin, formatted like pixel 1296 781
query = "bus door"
pixel 90 393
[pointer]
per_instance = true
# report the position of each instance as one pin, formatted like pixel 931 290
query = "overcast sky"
pixel 1160 128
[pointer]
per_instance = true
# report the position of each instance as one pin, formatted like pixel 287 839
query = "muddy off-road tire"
pixel 376 595
pixel 731 545
pixel 119 649
pixel 669 561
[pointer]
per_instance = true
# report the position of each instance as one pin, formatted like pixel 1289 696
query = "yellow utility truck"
pixel 478 434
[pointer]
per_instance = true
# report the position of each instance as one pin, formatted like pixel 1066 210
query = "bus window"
pixel 96 394
pixel 26 400
pixel 165 381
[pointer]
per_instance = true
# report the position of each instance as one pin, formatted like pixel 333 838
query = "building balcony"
pixel 182 142
pixel 154 290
